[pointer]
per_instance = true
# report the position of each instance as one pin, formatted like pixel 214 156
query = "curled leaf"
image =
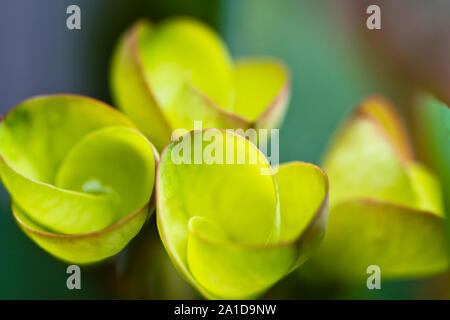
pixel 166 76
pixel 231 231
pixel 80 176
pixel 386 209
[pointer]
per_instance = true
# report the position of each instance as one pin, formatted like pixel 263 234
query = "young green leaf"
pixel 231 231
pixel 79 175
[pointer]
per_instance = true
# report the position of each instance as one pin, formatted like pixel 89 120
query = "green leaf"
pixel 231 270
pixel 386 209
pixel 73 167
pixel 304 205
pixel 262 90
pixel 363 163
pixel 427 189
pixel 168 76
pixel 225 225
pixel 402 241
pixel 183 49
pixel 84 248
pixel 190 105
pixel 131 89
pixel 115 161
pixel 432 125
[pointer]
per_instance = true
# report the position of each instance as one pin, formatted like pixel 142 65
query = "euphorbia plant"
pixel 385 208
pixel 230 230
pixel 80 175
pixel 166 76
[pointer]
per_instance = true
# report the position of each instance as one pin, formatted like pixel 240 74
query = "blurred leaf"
pixel 403 242
pixel 131 91
pixel 156 69
pixel 432 127
pixel 386 210
pixel 258 81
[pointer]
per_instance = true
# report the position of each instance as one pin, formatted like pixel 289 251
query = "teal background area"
pixel 332 70
pixel 329 73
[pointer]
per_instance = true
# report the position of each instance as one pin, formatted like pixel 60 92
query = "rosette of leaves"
pixel 79 174
pixel 385 208
pixel 230 230
pixel 166 76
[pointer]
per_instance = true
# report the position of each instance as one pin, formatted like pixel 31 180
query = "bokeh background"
pixel 335 62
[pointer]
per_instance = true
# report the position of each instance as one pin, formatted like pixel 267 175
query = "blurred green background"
pixel 334 64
